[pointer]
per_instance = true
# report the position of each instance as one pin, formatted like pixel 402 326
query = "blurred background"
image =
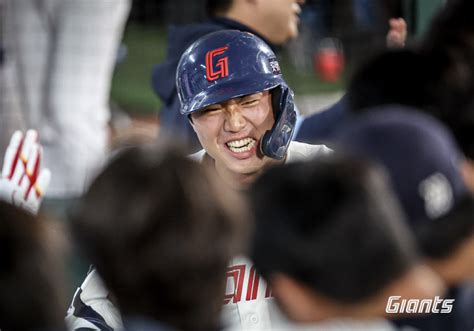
pixel 334 36
pixel 349 29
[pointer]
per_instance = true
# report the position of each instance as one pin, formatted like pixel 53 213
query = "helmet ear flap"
pixel 275 142
pixel 276 94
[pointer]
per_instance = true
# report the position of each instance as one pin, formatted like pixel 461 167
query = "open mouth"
pixel 242 145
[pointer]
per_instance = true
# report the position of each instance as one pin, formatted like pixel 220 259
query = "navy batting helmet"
pixel 228 64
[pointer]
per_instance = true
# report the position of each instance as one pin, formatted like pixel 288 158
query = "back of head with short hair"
pixel 331 224
pixel 392 77
pixel 31 282
pixel 160 232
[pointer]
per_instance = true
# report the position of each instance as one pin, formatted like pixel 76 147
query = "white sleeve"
pixel 91 309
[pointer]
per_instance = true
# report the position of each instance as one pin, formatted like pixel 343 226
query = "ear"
pixel 190 119
pixel 299 302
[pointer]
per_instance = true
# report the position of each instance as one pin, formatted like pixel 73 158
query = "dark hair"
pixel 453 24
pixel 392 77
pixel 31 276
pixel 161 233
pixel 331 224
pixel 217 7
pixel 441 237
pixel 450 41
pixel 439 82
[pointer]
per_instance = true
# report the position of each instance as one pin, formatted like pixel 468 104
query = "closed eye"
pixel 211 109
pixel 250 103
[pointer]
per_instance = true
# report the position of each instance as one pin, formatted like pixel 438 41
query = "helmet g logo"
pixel 221 64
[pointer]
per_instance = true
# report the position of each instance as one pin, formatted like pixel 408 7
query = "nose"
pixel 234 120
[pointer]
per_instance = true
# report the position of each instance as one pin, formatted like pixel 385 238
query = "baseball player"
pixel 232 90
pixel 274 21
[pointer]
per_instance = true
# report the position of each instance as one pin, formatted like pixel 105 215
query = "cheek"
pixel 206 128
pixel 276 14
pixel 262 118
pixel 284 12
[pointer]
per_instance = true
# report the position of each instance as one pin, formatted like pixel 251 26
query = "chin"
pixel 294 32
pixel 249 167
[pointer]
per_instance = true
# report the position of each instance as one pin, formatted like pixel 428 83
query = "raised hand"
pixel 22 181
pixel 397 34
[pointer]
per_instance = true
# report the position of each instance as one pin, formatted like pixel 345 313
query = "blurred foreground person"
pixel 32 282
pixel 160 232
pixel 332 242
pixel 424 165
pixel 32 288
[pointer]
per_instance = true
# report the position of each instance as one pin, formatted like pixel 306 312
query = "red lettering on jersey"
pixel 252 286
pixel 268 292
pixel 237 273
pixel 236 277
pixel 221 64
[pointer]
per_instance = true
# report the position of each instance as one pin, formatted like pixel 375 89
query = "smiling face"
pixel 231 132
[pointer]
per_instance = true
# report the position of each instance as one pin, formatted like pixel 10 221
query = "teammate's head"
pixel 160 233
pixel 31 283
pixel 424 165
pixel 275 20
pixel 392 77
pixel 230 85
pixel 331 239
pixel 435 80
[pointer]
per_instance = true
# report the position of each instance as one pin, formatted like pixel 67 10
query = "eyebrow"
pixel 238 99
pixel 250 95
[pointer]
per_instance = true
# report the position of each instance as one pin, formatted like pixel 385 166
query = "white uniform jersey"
pixel 296 152
pixel 91 308
pixel 248 301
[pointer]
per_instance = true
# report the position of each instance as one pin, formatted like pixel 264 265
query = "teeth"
pixel 242 145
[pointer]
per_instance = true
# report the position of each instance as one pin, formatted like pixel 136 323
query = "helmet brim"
pixel 228 90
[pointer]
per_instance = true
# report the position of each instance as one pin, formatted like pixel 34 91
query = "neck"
pixel 418 283
pixel 458 266
pixel 234 180
pixel 237 181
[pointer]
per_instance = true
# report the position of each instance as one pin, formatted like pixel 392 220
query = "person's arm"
pixel 22 181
